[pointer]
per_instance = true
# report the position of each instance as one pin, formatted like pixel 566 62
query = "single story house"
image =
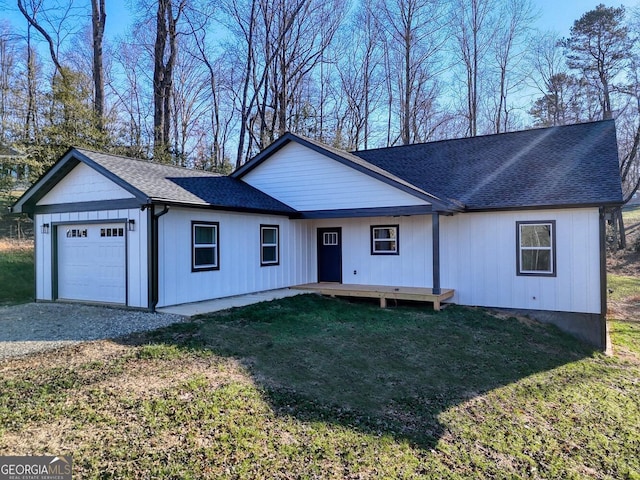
pixel 514 221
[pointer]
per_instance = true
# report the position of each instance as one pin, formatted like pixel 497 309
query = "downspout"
pixel 435 231
pixel 605 342
pixel 155 256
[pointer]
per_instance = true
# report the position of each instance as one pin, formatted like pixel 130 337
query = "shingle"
pixel 148 177
pixel 227 192
pixel 557 166
pixel 181 185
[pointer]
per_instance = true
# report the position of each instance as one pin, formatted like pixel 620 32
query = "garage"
pixel 91 264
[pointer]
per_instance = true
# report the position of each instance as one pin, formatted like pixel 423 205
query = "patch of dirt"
pixel 68 357
pixel 14 245
pixel 628 310
pixel 155 376
pixel 624 262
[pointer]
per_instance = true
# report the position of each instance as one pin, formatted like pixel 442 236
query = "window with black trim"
pixel 536 245
pixel 384 240
pixel 269 245
pixel 205 241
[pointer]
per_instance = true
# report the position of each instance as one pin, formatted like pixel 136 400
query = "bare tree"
pixel 164 60
pixel 359 73
pixel 98 22
pixel 416 35
pixel 131 98
pixel 509 48
pixel 8 62
pixel 473 28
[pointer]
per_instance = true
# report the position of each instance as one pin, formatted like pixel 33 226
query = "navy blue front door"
pixel 330 254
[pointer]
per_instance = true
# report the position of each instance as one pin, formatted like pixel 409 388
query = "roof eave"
pixel 72 157
pixel 227 208
pixel 556 206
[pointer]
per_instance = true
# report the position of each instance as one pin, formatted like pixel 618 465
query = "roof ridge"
pixel 149 162
pixel 486 135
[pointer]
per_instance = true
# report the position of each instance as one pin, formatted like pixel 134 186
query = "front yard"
pixel 310 387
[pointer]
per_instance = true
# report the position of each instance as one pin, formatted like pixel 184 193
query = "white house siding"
pixel 84 184
pixel 240 271
pixel 137 276
pixel 307 180
pixel 478 260
pixel 413 266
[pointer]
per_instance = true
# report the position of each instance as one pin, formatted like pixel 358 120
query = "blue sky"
pixel 557 15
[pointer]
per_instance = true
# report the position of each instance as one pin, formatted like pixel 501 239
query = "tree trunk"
pixel 619 229
pixel 159 120
pixel 98 21
pixel 30 123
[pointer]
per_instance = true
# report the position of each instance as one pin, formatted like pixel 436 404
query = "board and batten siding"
pixel 307 180
pixel 84 184
pixel 240 271
pixel 478 259
pixel 412 267
pixel 136 255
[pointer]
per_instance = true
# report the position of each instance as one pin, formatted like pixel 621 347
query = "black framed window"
pixel 536 245
pixel 269 245
pixel 384 240
pixel 205 241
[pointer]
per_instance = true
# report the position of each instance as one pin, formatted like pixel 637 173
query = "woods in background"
pixel 208 84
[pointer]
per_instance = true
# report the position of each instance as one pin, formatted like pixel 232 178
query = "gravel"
pixel 37 327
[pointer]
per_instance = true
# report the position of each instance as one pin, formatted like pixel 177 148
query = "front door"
pixel 330 254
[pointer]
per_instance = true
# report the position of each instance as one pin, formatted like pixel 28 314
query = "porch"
pixel 382 292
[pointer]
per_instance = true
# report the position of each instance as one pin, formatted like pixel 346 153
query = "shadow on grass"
pixel 380 371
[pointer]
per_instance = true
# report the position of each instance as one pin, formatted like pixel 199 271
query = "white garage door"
pixel 91 262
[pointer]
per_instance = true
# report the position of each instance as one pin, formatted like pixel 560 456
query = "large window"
pixel 384 240
pixel 205 252
pixel 536 248
pixel 269 245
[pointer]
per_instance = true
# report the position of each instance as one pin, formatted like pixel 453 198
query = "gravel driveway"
pixel 36 327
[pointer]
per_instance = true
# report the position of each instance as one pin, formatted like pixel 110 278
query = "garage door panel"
pixel 91 263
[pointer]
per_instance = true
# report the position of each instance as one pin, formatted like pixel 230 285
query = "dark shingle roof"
pixel 575 165
pixel 227 192
pixel 167 183
pixel 558 166
pixel 152 179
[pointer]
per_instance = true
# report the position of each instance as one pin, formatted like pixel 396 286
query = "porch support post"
pixel 435 231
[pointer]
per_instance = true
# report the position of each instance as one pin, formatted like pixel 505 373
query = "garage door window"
pixel 76 233
pixel 112 232
pixel 205 246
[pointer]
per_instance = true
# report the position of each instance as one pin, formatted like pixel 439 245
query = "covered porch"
pixel 382 292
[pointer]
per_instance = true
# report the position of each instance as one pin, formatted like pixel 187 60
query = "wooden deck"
pixel 382 292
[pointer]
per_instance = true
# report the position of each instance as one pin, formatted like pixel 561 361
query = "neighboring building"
pixel 512 221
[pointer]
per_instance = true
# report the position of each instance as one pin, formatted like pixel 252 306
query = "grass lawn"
pixel 16 272
pixel 624 312
pixel 631 215
pixel 311 387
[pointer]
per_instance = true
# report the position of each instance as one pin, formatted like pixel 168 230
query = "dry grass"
pixel 8 245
